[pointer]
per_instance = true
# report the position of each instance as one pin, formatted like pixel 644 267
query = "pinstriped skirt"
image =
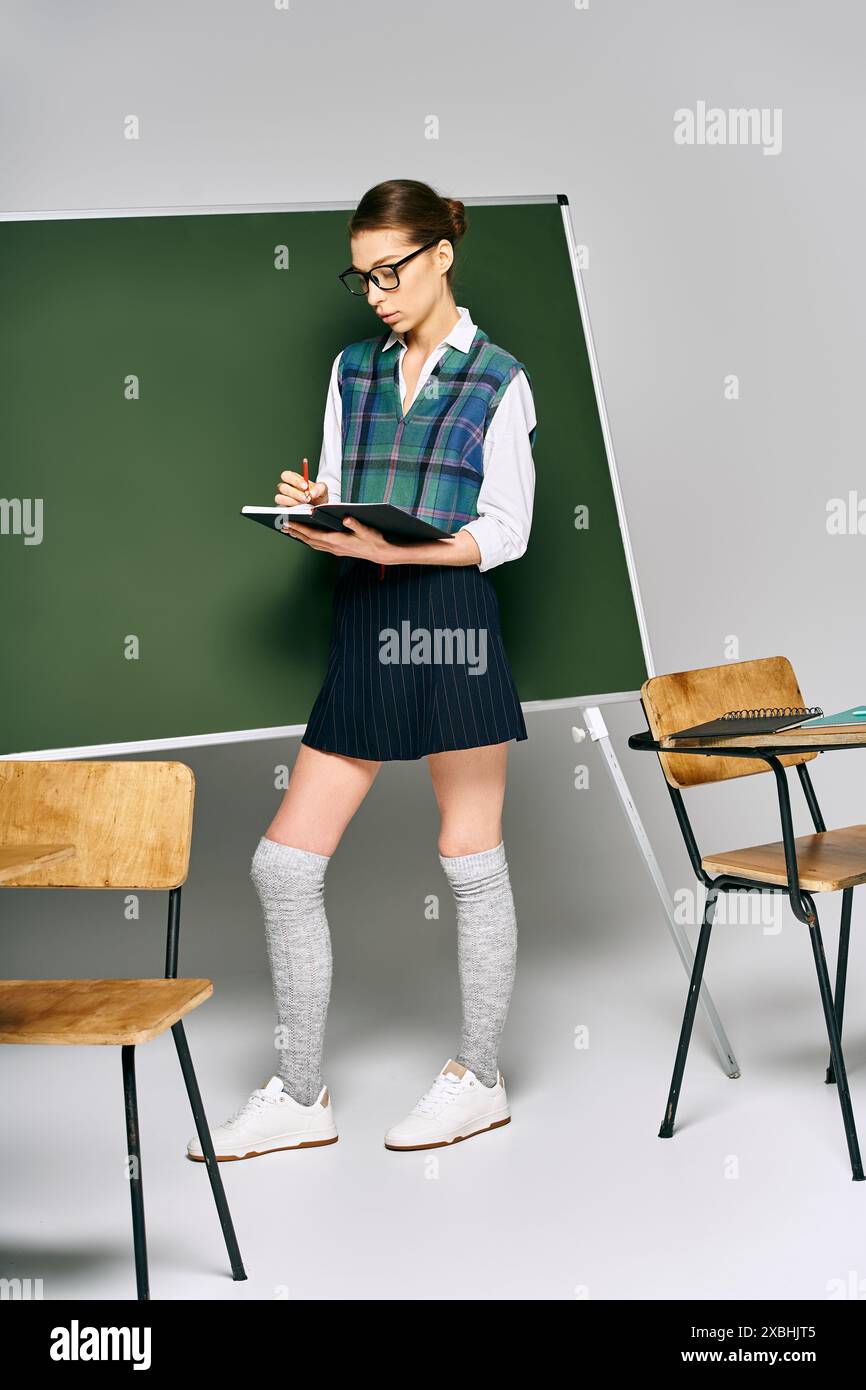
pixel 416 664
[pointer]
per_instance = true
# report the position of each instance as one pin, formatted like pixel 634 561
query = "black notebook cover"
pixel 762 721
pixel 394 522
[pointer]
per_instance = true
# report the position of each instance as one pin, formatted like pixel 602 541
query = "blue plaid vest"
pixel 429 461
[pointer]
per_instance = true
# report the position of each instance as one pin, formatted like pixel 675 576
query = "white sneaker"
pixel 270 1120
pixel 456 1106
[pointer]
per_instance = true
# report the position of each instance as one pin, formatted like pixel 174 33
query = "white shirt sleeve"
pixel 504 505
pixel 331 459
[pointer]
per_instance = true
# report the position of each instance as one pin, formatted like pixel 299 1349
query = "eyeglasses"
pixel 384 277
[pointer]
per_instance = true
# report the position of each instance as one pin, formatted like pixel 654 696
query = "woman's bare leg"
pixel 470 789
pixel 469 784
pixel 324 792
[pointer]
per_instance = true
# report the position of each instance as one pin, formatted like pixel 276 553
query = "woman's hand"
pixel 364 542
pixel 292 490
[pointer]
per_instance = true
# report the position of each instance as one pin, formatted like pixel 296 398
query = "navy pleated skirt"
pixel 416 664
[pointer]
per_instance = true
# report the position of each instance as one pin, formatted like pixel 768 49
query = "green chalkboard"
pixel 138 605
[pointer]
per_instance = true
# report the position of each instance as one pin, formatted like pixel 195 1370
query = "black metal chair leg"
pixel 841 968
pixel 222 1206
pixel 133 1149
pixel 667 1126
pixel 838 1060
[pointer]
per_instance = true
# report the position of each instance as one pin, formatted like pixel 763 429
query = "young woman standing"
pixel 431 415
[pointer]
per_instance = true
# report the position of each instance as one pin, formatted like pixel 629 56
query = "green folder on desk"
pixel 846 719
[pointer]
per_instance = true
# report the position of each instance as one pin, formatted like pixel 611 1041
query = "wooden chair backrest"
pixel 130 822
pixel 685 698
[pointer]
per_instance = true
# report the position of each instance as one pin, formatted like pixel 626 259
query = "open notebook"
pixel 394 522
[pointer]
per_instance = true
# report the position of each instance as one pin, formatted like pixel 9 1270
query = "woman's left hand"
pixel 365 542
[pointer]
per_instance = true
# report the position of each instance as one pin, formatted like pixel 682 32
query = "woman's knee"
pixel 464 838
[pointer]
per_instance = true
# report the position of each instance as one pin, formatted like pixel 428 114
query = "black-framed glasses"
pixel 384 277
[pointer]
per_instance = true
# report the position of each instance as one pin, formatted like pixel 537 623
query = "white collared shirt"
pixel 504 504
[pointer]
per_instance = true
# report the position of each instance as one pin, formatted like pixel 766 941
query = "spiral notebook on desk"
pixel 751 721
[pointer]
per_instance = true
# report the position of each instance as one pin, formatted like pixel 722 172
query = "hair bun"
pixel 457 213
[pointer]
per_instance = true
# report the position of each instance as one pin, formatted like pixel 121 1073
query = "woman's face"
pixel 422 285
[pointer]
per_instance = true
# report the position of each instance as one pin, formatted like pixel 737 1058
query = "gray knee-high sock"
pixel 291 886
pixel 486 953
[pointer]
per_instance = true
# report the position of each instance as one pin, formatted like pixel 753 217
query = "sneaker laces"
pixel 441 1093
pixel 257 1101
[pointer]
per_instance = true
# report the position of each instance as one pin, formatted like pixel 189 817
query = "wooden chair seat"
pixel 103 1012
pixel 826 860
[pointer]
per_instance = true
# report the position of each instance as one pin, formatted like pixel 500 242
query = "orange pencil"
pixel 306 480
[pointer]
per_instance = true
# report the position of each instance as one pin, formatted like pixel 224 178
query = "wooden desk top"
pixel 20 859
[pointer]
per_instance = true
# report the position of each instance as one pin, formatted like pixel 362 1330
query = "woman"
pixel 432 416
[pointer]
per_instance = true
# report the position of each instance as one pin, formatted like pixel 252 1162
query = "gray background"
pixel 703 261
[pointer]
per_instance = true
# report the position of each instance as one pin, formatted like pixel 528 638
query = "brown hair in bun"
pixel 415 210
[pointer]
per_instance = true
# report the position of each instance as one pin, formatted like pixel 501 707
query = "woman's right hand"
pixel 291 490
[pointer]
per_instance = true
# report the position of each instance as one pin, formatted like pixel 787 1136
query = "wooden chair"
pixel 824 862
pixel 130 825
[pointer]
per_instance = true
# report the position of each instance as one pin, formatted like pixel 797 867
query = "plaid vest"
pixel 429 461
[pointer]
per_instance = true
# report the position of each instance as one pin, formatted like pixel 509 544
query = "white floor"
pixel 577 1197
